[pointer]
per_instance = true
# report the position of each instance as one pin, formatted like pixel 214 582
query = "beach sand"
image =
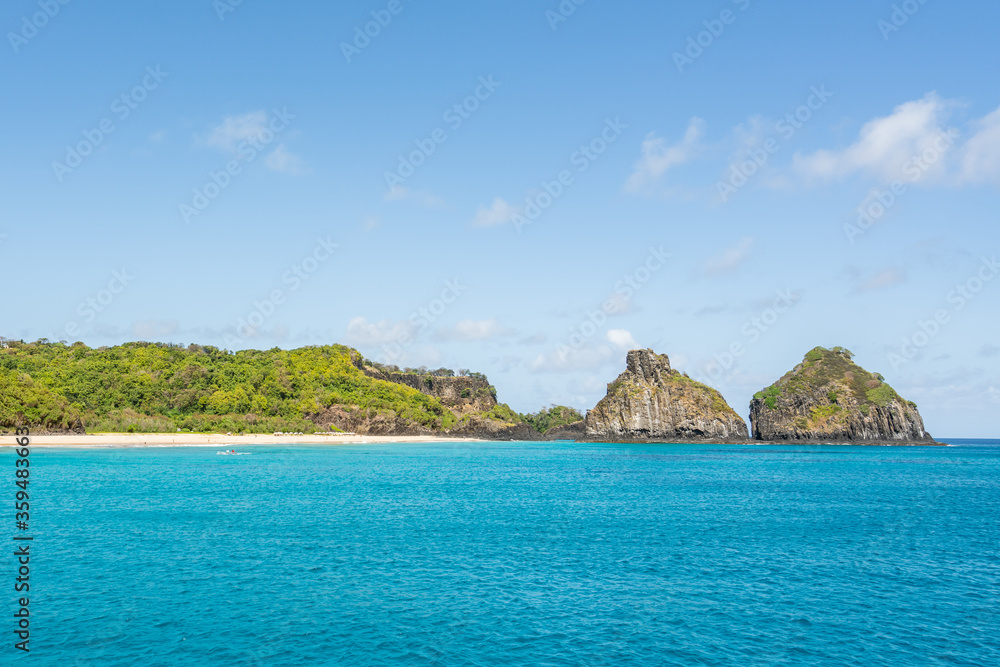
pixel 209 440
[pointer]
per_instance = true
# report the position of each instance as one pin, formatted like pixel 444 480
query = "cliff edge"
pixel 651 401
pixel 829 398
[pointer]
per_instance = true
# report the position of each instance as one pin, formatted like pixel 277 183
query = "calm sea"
pixel 511 554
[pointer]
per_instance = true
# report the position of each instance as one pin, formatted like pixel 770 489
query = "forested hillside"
pixel 146 387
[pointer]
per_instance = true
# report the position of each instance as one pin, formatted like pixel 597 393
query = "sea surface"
pixel 510 554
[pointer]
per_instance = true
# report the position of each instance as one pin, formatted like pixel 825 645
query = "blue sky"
pixel 682 176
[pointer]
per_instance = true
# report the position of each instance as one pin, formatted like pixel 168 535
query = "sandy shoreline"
pixel 207 440
pixel 120 440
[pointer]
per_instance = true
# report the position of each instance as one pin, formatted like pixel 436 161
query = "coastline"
pixel 130 440
pixel 126 440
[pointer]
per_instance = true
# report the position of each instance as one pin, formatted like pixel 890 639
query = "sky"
pixel 524 189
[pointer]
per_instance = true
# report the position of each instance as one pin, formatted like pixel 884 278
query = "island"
pixel 650 401
pixel 829 399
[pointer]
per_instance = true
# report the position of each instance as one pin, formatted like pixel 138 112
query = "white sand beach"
pixel 114 440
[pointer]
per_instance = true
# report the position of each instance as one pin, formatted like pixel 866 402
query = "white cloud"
pixel 150 329
pixel 885 145
pixel 236 129
pixel 534 339
pixel 473 330
pixel 729 260
pixel 883 279
pixel 981 153
pixel 623 339
pixel 158 137
pixel 362 332
pixel 571 360
pixel 421 197
pixel 658 157
pixel 284 161
pixel 500 213
pixel 988 350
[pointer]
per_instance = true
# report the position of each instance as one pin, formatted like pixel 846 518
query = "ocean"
pixel 510 554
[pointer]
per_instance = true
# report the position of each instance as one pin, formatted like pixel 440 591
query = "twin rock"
pixel 825 399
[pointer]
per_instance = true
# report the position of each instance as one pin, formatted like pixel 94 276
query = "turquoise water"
pixel 513 553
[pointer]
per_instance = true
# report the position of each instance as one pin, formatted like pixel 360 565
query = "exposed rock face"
pixel 472 400
pixel 460 394
pixel 485 428
pixel 354 420
pixel 651 401
pixel 573 431
pixel 829 398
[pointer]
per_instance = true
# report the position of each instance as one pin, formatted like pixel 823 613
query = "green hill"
pixel 153 387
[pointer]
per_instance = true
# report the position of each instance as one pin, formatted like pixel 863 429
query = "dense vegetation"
pixel 552 417
pixel 838 379
pixel 25 402
pixel 146 387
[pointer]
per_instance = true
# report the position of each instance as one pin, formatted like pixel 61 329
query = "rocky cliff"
pixel 472 400
pixel 651 401
pixel 829 398
pixel 461 393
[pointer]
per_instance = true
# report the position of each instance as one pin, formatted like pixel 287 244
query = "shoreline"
pixel 134 440
pixel 129 440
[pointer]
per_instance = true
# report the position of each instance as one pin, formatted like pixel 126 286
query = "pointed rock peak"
pixel 651 401
pixel 647 364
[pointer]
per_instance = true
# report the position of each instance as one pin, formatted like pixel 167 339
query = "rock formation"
pixel 651 401
pixel 829 398
pixel 473 400
pixel 573 431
